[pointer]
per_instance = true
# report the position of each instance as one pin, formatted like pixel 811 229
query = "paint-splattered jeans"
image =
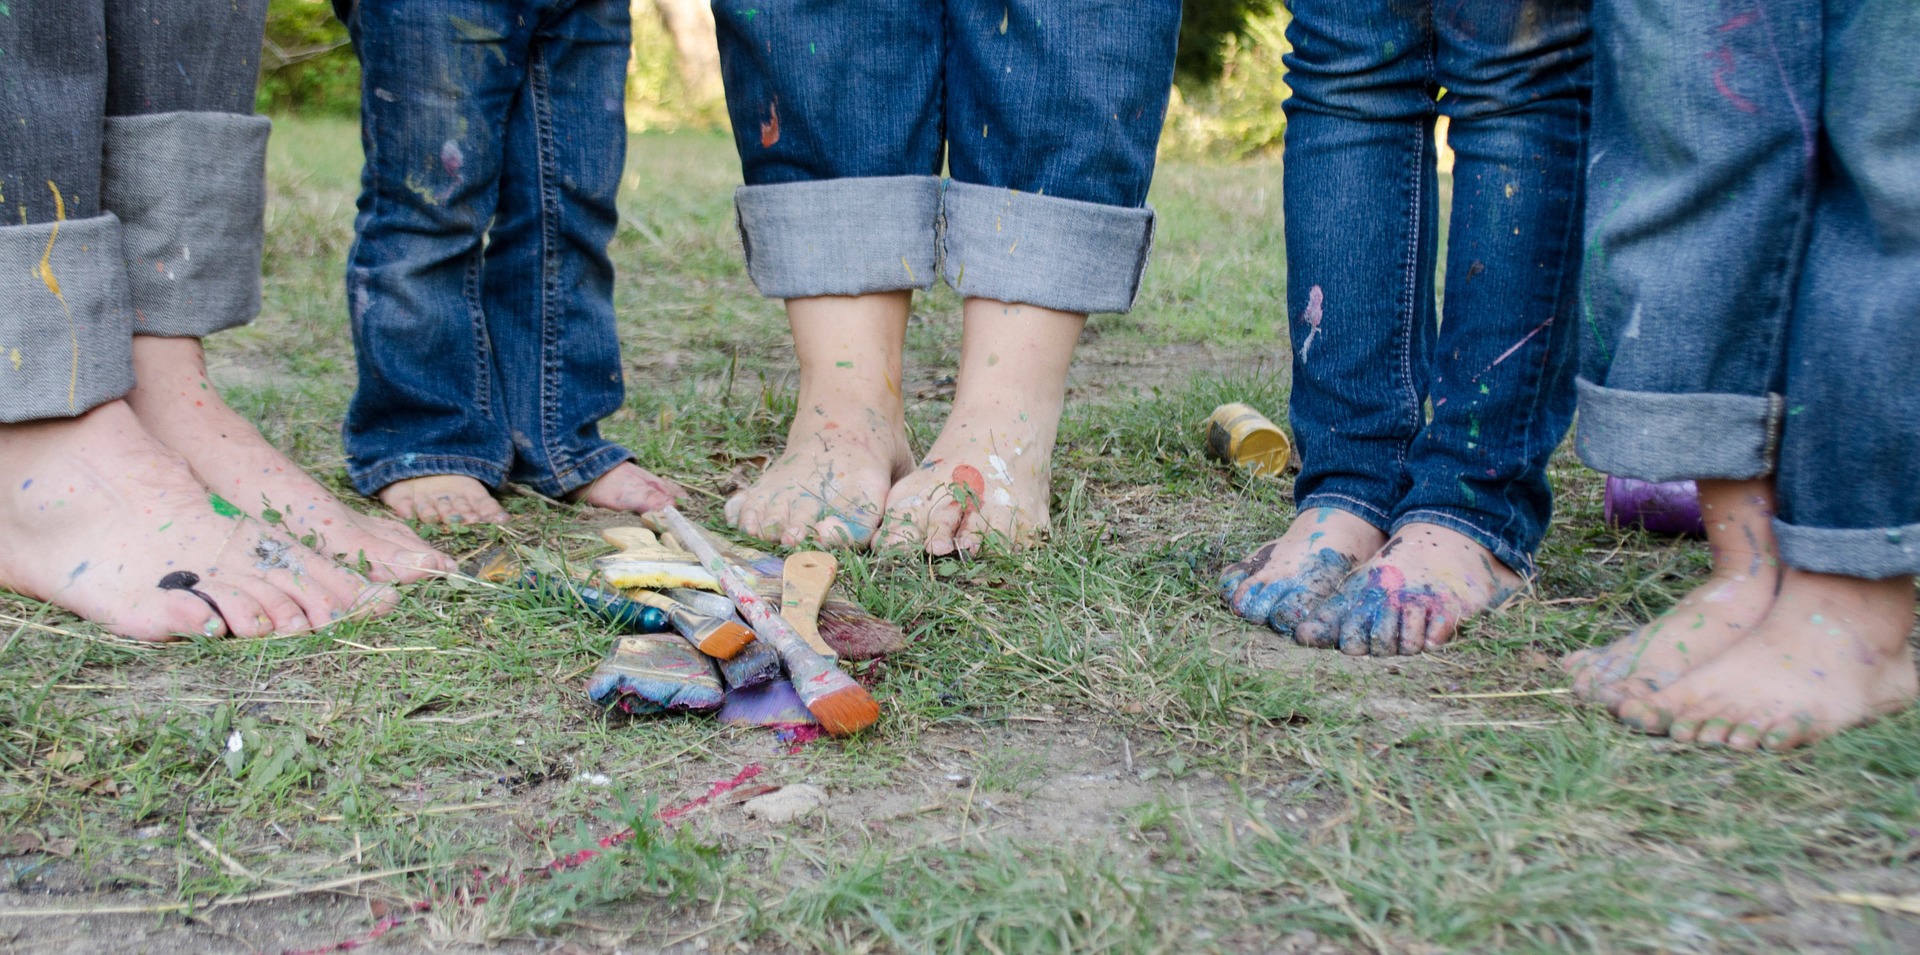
pixel 1401 417
pixel 133 163
pixel 1752 299
pixel 479 283
pixel 1046 113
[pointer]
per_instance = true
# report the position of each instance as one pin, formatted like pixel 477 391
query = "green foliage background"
pixel 1228 75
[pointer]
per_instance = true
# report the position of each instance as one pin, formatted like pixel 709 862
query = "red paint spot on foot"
pixel 975 483
pixel 830 426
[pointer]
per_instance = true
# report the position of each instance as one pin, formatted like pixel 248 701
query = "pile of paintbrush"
pixel 685 647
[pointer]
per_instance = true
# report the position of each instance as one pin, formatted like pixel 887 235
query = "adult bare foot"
pixel 1284 581
pixel 449 499
pixel 848 441
pixel 101 518
pixel 178 405
pixel 1831 654
pixel 629 487
pixel 1714 616
pixel 1412 595
pixel 990 471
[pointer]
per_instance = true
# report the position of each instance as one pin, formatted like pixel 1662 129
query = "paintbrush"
pixel 653 673
pixel 841 705
pixel 804 580
pixel 503 565
pixel 846 626
pixel 718 638
pixel 774 704
pixel 756 665
pixel 646 563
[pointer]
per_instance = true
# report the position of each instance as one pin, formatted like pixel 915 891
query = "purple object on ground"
pixel 1671 507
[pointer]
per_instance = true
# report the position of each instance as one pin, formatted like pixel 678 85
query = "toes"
pixel 732 510
pixel 1387 634
pixel 283 614
pixel 1713 732
pixel 1413 630
pixel 1355 634
pixel 177 614
pixel 1573 663
pixel 1440 629
pixel 1746 736
pixel 1321 631
pixel 244 615
pixel 1646 717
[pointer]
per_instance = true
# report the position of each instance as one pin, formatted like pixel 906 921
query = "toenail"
pixel 212 627
pixel 298 622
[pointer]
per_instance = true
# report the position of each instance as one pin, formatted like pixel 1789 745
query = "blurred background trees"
pixel 1228 75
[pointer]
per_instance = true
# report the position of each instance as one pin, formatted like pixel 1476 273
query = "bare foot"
pixel 1412 595
pixel 848 441
pixel 1831 654
pixel 990 471
pixel 629 487
pixel 443 499
pixel 1711 618
pixel 177 404
pixel 101 518
pixel 1286 579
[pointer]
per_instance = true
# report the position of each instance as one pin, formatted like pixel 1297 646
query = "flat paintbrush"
pixel 842 706
pixel 851 630
pixel 716 637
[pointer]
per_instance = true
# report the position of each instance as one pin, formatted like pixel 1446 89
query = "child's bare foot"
pixel 1714 616
pixel 101 518
pixel 443 499
pixel 1284 581
pixel 178 405
pixel 1832 653
pixel 629 487
pixel 848 441
pixel 990 471
pixel 1412 595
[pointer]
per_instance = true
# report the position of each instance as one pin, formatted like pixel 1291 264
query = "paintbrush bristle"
pixel 845 711
pixel 726 641
pixel 857 634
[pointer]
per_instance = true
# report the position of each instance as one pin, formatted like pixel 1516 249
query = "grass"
pixel 1082 751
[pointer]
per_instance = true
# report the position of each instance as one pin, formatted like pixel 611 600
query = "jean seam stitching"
pixel 549 415
pixel 1306 504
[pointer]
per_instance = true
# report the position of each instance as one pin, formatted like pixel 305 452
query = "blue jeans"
pixel 479 283
pixel 1752 300
pixel 1047 115
pixel 1401 417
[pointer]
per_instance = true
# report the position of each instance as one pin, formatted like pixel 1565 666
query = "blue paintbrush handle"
pixel 613 608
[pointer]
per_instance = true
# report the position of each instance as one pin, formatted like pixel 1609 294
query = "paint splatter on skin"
pixel 968 477
pixel 272 554
pixel 1412 595
pixel 1282 604
pixel 1723 610
pixel 1794 680
pixel 186 581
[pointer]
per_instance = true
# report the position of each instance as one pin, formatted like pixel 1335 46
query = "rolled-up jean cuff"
pixel 1656 436
pixel 1062 254
pixel 840 236
pixel 66 338
pixel 1380 519
pixel 1866 553
pixel 191 191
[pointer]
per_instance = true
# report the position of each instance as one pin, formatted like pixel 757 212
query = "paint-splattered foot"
pixel 830 485
pixel 1831 653
pixel 1714 616
pixel 101 518
pixel 1284 581
pixel 629 487
pixel 986 477
pixel 177 404
pixel 450 499
pixel 1412 595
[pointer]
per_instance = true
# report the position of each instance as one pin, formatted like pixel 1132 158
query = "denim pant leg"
pixel 1053 117
pixel 547 283
pixel 837 113
pixel 1849 465
pixel 1705 147
pixel 1361 213
pixel 1501 391
pixel 186 160
pixel 65 329
pixel 438 81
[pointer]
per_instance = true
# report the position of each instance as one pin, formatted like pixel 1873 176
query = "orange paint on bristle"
pixel 845 711
pixel 726 641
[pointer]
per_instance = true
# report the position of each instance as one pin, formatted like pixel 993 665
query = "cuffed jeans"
pixel 479 284
pixel 1399 417
pixel 1752 299
pixel 133 162
pixel 1046 113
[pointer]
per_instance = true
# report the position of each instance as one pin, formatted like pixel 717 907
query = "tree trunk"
pixel 690 23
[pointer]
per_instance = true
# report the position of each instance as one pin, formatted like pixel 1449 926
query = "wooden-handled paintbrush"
pixel 804 580
pixel 842 706
pixel 717 638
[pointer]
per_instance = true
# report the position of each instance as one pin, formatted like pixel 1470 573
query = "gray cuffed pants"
pixel 136 170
